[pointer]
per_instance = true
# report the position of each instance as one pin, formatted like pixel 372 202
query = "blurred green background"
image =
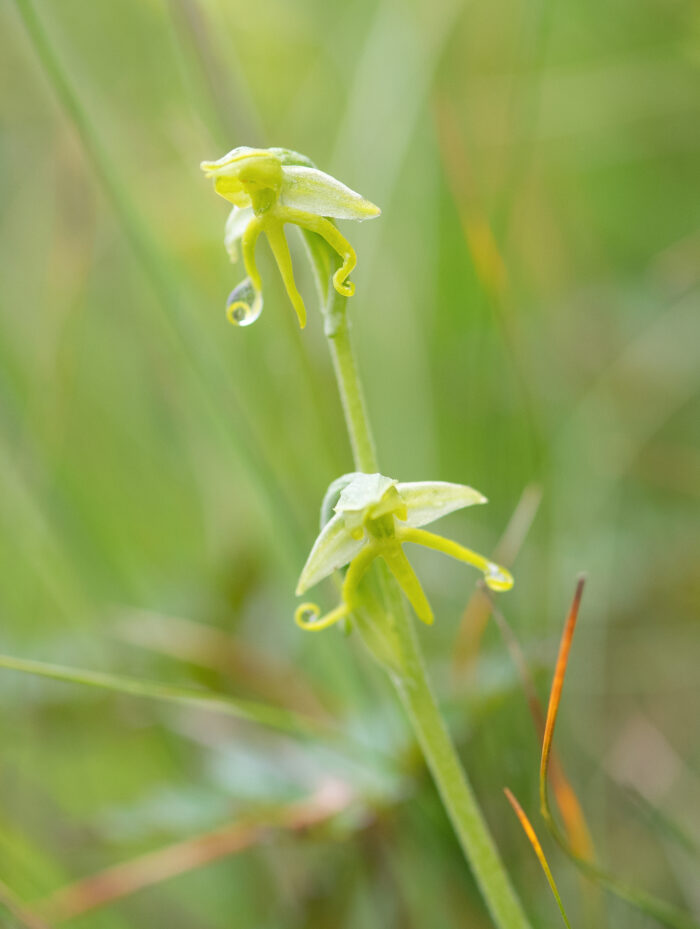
pixel 526 316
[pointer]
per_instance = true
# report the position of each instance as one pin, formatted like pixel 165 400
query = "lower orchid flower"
pixel 374 517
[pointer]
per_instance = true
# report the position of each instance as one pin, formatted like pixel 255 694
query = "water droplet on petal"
pixel 497 578
pixel 244 304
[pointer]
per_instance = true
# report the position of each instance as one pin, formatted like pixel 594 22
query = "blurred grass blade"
pixel 19 911
pixel 535 842
pixel 666 913
pixel 478 609
pixel 210 383
pixel 266 676
pixel 489 264
pixel 209 76
pixel 251 711
pixel 662 824
pixel 482 245
pixel 122 880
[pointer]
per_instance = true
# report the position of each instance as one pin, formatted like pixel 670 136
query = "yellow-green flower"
pixel 374 517
pixel 268 189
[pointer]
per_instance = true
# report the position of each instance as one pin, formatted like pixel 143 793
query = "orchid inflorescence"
pixel 270 188
pixel 365 516
pixel 374 517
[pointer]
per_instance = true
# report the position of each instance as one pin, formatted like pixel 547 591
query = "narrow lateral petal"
pixel 333 548
pixel 236 225
pixel 427 501
pixel 316 192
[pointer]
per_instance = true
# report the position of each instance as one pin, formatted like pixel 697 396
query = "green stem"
pixel 453 786
pixel 409 675
pixel 352 396
pixel 337 329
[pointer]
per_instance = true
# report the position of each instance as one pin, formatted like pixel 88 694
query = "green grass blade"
pixel 210 384
pixel 23 916
pixel 252 711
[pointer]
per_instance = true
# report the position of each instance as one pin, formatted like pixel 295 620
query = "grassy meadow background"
pixel 527 320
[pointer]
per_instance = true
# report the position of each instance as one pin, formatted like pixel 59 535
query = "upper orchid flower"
pixel 374 516
pixel 268 188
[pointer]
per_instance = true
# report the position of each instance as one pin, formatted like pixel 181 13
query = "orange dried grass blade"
pixel 555 694
pixel 571 810
pixel 577 831
pixel 122 880
pixel 664 912
pixel 155 867
pixel 535 842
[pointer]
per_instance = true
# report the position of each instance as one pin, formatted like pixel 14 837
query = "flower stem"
pixel 455 790
pixel 337 329
pixel 409 676
pixel 352 396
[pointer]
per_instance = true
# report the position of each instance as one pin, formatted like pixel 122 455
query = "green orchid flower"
pixel 270 188
pixel 374 517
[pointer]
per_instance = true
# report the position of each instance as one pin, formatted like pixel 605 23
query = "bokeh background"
pixel 527 321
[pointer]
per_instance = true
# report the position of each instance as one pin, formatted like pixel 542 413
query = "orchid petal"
pixel 232 189
pixel 236 225
pixel 427 501
pixel 316 192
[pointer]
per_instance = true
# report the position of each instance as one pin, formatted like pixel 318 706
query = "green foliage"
pixel 530 295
